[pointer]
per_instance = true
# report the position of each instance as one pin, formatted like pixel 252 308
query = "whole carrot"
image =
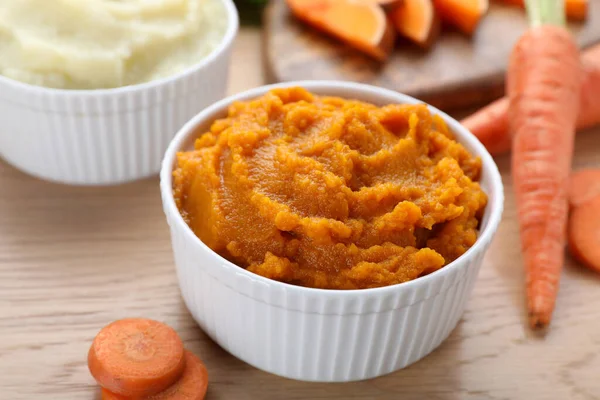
pixel 543 85
pixel 490 124
pixel 589 114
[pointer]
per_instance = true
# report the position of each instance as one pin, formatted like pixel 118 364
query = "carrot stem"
pixel 546 12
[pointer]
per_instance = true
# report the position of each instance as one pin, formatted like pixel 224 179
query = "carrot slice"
pixel 108 395
pixel 136 357
pixel 417 20
pixel 584 186
pixel 575 9
pixel 584 234
pixel 464 14
pixel 361 24
pixel 191 386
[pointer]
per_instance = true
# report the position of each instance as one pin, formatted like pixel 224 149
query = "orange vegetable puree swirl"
pixel 325 192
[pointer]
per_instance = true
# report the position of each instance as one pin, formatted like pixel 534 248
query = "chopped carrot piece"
pixel 584 234
pixel 362 25
pixel 464 14
pixel 386 4
pixel 136 357
pixel 417 20
pixel 584 186
pixel 191 386
pixel 575 9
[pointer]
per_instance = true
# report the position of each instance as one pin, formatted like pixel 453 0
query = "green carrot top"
pixel 546 12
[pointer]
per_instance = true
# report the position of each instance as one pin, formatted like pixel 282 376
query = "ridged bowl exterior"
pixel 111 136
pixel 323 335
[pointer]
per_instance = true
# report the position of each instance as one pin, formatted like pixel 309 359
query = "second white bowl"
pixel 108 136
pixel 314 334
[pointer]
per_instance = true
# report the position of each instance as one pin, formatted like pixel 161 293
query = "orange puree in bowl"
pixel 331 193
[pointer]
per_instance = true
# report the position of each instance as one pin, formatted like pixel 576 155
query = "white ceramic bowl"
pixel 314 334
pixel 108 136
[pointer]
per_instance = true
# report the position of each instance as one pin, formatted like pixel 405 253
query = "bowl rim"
pixel 225 43
pixel 465 136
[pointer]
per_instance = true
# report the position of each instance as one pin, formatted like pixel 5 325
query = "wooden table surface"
pixel 74 259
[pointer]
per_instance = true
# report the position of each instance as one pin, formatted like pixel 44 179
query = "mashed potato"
pixel 93 44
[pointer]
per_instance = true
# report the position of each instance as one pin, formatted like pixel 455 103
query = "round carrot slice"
pixel 136 357
pixel 191 386
pixel 584 234
pixel 584 186
pixel 108 395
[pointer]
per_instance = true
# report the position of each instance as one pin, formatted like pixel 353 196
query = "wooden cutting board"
pixel 457 72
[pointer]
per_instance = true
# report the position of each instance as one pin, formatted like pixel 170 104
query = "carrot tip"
pixel 538 322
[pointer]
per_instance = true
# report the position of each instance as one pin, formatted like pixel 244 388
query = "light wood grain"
pixel 74 259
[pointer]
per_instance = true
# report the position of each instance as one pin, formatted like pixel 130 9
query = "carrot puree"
pixel 325 192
